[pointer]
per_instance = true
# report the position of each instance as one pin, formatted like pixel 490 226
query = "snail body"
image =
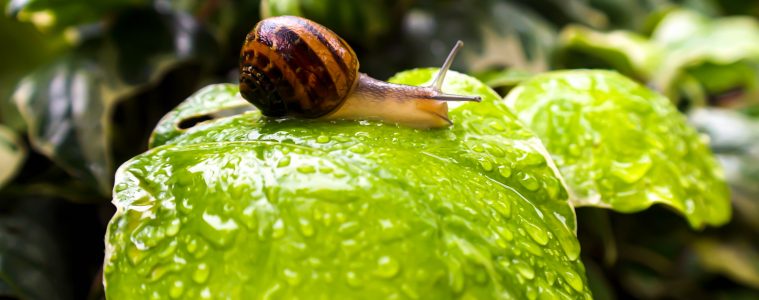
pixel 291 66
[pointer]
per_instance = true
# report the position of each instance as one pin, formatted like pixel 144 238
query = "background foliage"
pixel 84 82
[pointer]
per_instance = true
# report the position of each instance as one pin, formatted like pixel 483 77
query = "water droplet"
pixel 173 227
pixel 573 279
pixel 496 125
pixel 531 247
pixel 631 172
pixel 278 229
pixel 348 229
pixel 502 207
pixel 505 171
pixel 409 291
pixel 306 169
pixel 205 293
pixel 505 233
pixel 529 182
pixel 478 148
pixel 359 149
pixel 387 267
pixel 486 165
pixel 524 269
pixel 305 227
pixel 352 279
pixel 550 276
pixel 147 236
pixel 552 187
pixel 536 233
pixel 292 277
pixel 201 273
pixel 322 139
pixel 575 150
pixel 249 217
pixel 136 255
pixel 570 245
pixel 176 290
pixel 169 249
pixel 283 162
pixel 218 230
pixel 533 159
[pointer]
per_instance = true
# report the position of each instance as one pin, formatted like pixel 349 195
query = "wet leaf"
pixel 622 146
pixel 245 205
pixel 12 154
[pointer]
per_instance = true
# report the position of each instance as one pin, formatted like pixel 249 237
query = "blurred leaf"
pixel 56 15
pixel 503 80
pixel 30 264
pixel 622 146
pixel 407 217
pixel 64 113
pixel 692 40
pixel 363 21
pixel 735 140
pixel 24 49
pixel 12 154
pixel 631 54
pixel 497 35
pixel 736 259
pixel 67 105
pixel 562 12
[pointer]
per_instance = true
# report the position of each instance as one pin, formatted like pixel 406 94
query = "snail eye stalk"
pixel 437 83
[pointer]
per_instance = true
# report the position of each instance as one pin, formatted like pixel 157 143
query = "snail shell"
pixel 293 66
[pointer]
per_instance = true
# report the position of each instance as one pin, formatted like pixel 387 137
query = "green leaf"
pixel 734 138
pixel 64 114
pixel 246 206
pixel 30 264
pixel 67 105
pixel 622 146
pixel 24 49
pixel 12 154
pixel 736 258
pixel 629 53
pixel 51 15
pixel 692 40
pixel 364 22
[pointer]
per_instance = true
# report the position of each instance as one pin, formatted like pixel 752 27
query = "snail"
pixel 291 66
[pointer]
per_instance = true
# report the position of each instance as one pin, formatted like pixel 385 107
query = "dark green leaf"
pixel 58 15
pixel 12 154
pixel 67 105
pixel 29 261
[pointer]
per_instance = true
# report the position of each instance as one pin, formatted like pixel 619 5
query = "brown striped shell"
pixel 296 67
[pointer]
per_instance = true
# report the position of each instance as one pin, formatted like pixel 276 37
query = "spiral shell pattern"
pixel 291 66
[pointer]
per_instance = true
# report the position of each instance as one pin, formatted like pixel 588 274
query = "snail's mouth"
pixel 436 111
